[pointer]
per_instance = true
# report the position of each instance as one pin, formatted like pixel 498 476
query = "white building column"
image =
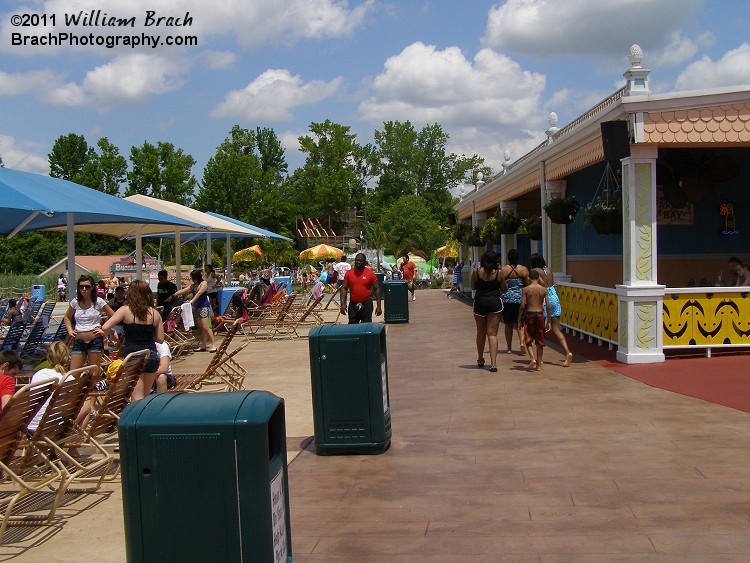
pixel 554 235
pixel 640 297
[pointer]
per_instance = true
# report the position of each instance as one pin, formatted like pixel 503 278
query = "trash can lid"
pixel 204 409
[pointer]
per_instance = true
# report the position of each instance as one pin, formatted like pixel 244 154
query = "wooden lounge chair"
pixel 218 377
pixel 57 431
pixel 14 419
pixel 111 403
pixel 269 321
pixel 230 369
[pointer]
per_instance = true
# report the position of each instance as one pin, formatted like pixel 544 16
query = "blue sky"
pixel 489 72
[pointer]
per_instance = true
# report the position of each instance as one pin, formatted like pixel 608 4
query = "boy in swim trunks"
pixel 534 301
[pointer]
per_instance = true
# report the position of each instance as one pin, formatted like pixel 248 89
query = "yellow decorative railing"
pixel 590 310
pixel 706 317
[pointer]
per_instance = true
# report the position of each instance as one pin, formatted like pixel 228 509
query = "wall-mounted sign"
pixel 669 215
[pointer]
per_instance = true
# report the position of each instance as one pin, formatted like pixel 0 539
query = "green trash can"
pixel 396 300
pixel 204 478
pixel 349 370
pixel 381 280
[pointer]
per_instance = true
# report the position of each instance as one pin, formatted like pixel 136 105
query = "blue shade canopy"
pixel 268 234
pixel 31 202
pixel 192 236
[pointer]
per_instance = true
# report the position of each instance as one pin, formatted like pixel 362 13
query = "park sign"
pixel 128 263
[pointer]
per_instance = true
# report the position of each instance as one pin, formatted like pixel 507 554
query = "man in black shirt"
pixel 164 290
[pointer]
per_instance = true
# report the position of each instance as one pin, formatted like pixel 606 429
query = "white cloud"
pixel 424 85
pixel 553 27
pixel 15 84
pixel 677 51
pixel 217 60
pixel 131 79
pixel 273 95
pixel 70 94
pixel 732 69
pixel 18 155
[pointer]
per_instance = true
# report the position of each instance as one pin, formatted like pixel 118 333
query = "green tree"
pixel 411 226
pixel 162 172
pixel 412 162
pixel 69 155
pixel 335 172
pixel 231 176
pixel 31 253
pixel 106 170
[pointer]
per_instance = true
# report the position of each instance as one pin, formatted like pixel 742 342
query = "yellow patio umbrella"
pixel 248 254
pixel 447 251
pixel 321 251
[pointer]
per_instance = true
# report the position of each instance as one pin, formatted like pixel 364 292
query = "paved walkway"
pixel 571 464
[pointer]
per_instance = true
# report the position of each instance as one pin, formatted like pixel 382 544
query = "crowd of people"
pixel 526 301
pixel 109 317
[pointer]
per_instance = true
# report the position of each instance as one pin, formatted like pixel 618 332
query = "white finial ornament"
pixel 635 56
pixel 553 119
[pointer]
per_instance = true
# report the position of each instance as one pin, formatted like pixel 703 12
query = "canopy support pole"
pixel 178 258
pixel 138 252
pixel 228 280
pixel 71 240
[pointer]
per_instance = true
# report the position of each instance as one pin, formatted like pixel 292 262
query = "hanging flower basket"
pixel 507 222
pixel 475 238
pixel 562 210
pixel 533 227
pixel 461 232
pixel 604 213
pixel 605 216
pixel 489 231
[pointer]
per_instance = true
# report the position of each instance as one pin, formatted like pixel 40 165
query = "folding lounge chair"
pixel 231 370
pixel 57 431
pixel 32 346
pixel 217 377
pixel 270 321
pixel 112 402
pixel 13 337
pixel 14 419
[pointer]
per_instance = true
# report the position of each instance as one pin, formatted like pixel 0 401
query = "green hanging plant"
pixel 489 231
pixel 562 210
pixel 604 213
pixel 507 222
pixel 475 238
pixel 533 227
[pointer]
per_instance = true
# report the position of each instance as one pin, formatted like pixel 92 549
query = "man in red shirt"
pixel 359 281
pixel 409 269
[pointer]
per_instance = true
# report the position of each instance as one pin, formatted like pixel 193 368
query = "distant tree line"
pixel 399 186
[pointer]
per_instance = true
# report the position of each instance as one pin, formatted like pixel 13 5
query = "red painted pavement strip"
pixel 723 379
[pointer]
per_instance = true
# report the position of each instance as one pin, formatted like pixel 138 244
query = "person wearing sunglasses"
pixel 83 321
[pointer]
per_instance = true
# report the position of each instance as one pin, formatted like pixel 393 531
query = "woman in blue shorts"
pixel 84 324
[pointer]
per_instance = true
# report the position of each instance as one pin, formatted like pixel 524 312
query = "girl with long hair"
pixel 201 308
pixel 142 329
pixel 517 277
pixel 83 321
pixel 488 282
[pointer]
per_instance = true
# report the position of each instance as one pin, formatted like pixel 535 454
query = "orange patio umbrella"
pixel 321 251
pixel 248 254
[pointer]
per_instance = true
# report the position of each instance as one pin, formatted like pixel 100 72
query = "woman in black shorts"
pixel 487 282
